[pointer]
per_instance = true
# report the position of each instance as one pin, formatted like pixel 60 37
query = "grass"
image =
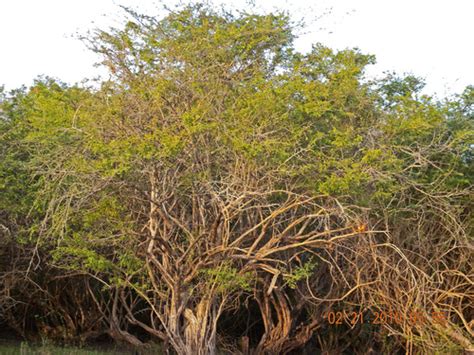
pixel 9 347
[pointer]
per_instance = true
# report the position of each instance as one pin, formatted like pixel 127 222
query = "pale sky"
pixel 428 38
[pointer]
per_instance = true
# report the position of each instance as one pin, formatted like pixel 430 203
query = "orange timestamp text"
pixel 381 317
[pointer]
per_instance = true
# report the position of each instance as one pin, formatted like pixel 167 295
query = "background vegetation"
pixel 222 191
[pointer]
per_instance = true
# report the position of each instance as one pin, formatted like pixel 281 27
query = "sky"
pixel 428 38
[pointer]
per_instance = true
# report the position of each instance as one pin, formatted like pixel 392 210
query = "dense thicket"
pixel 223 191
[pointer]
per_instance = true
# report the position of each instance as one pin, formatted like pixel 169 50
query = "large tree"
pixel 218 171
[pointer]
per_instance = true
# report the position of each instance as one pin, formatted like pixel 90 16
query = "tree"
pixel 219 171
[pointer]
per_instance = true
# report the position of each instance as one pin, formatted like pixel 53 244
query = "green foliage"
pixel 227 278
pixel 300 273
pixel 82 259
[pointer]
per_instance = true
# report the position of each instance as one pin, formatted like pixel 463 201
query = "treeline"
pixel 222 192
